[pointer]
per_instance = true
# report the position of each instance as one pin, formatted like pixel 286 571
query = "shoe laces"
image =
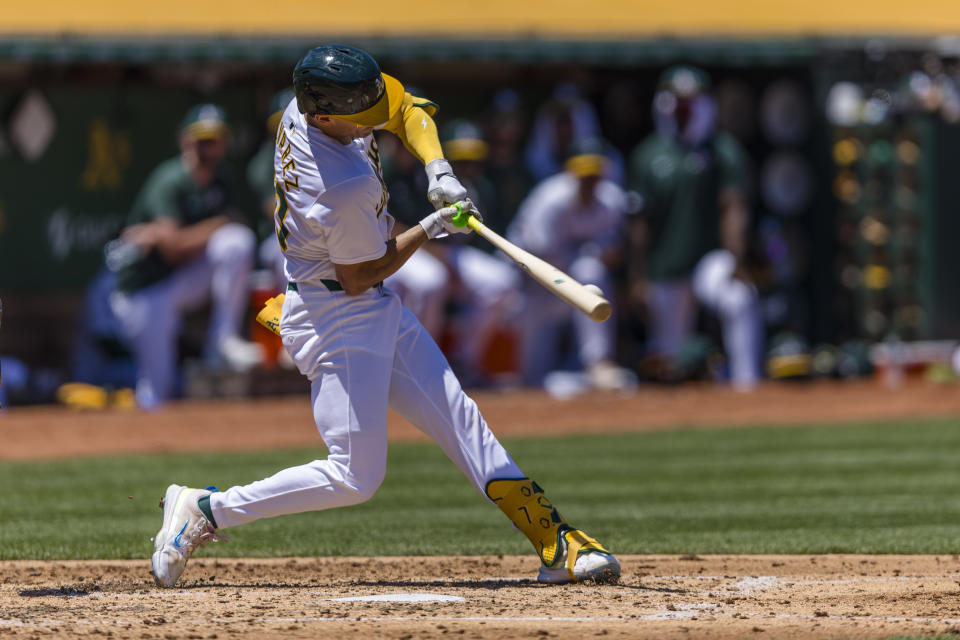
pixel 200 535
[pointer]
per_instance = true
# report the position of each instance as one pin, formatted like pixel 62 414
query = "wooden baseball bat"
pixel 586 298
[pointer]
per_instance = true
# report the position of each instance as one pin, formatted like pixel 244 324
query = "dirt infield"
pixel 486 597
pixel 51 432
pixel 479 597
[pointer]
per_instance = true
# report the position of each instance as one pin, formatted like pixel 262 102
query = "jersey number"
pixel 280 214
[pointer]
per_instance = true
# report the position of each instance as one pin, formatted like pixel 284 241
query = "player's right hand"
pixel 443 187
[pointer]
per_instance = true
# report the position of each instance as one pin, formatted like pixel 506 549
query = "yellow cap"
pixel 586 165
pixel 204 131
pixel 205 122
pixel 465 149
pixel 385 108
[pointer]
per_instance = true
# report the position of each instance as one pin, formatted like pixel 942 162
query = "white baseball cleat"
pixel 184 529
pixel 606 375
pixel 238 354
pixel 591 562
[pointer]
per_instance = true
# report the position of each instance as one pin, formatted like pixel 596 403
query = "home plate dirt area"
pixel 485 597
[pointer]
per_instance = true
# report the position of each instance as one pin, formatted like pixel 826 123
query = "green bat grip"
pixel 460 219
pixel 464 219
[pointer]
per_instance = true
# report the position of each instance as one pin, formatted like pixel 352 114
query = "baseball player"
pixel 185 244
pixel 574 220
pixel 484 288
pixel 689 241
pixel 352 338
pixel 423 281
pixel 491 291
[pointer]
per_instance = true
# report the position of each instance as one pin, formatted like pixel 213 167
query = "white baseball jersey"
pixel 331 200
pixel 553 224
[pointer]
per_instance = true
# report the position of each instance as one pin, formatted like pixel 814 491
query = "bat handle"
pixel 461 218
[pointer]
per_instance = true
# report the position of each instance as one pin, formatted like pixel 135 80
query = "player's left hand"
pixel 457 223
pixel 443 187
pixel 441 222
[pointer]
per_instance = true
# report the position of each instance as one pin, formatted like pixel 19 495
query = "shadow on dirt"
pixel 68 591
pixel 290 586
pixel 496 584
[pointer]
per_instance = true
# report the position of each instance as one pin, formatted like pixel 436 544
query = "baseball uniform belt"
pixel 331 285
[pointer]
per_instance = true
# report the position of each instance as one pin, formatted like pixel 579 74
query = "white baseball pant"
pixel 363 354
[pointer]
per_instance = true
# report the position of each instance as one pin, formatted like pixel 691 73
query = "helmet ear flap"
pixel 304 104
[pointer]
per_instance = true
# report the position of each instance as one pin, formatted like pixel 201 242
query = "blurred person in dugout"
pixel 574 220
pixel 184 246
pixel 422 281
pixel 504 131
pixel 561 122
pixel 479 289
pixel 484 289
pixel 689 240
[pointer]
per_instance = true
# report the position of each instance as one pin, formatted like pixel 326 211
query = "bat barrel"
pixel 586 298
pixel 601 311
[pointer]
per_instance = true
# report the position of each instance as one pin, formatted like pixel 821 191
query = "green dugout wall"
pixel 73 157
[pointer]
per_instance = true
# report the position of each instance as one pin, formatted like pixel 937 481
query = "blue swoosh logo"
pixel 176 541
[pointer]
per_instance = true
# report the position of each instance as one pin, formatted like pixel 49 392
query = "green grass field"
pixel 872 488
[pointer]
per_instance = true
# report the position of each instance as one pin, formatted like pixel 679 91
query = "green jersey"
pixel 170 192
pixel 680 188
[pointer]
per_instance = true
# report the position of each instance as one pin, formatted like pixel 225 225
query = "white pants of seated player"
pixel 546 315
pixel 362 354
pixel 151 316
pixel 672 310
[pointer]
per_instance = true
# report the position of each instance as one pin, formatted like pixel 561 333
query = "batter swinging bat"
pixel 586 298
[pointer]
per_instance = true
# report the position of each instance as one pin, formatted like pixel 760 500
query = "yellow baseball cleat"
pixel 568 554
pixel 581 559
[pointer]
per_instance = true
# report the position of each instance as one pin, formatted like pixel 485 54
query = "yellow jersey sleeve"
pixel 413 124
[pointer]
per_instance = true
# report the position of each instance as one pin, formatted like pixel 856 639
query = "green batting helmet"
pixel 346 82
